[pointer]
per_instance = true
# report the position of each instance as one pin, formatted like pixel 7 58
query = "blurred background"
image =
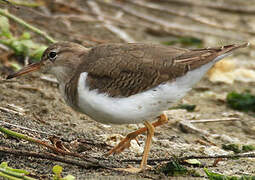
pixel 217 115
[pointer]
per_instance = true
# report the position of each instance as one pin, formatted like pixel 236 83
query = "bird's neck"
pixel 67 79
pixel 63 73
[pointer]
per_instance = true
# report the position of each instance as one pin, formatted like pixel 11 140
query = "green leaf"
pixel 188 107
pixel 6 176
pixel 5 27
pixel 216 176
pixel 247 148
pixel 236 148
pixel 241 101
pixel 57 170
pixel 212 175
pixel 173 168
pixel 18 170
pixel 28 178
pixel 3 165
pixel 19 48
pixel 22 45
pixel 185 41
pixel 37 53
pixel 29 44
pixel 13 174
pixel 189 41
pixel 170 43
pixel 16 66
pixel 25 36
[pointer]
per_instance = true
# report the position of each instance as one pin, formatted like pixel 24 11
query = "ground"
pixel 44 110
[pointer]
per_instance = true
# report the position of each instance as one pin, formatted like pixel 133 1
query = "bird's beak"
pixel 27 69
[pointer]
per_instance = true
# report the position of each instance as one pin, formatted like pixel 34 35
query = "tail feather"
pixel 198 57
pixel 232 47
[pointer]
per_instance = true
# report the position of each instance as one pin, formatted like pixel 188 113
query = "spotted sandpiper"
pixel 126 83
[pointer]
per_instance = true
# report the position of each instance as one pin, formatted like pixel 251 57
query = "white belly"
pixel 136 108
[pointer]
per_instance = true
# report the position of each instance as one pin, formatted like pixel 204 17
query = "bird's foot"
pixel 125 143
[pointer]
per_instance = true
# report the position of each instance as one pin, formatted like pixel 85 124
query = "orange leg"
pixel 147 147
pixel 125 143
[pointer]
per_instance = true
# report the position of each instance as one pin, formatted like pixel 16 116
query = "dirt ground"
pixel 45 110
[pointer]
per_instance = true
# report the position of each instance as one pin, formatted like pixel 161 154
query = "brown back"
pixel 122 70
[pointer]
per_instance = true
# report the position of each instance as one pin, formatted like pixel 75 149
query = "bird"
pixel 126 83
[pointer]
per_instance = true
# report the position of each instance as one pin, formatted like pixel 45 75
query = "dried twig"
pixel 28 87
pixel 216 161
pixel 25 128
pixel 231 156
pixel 7 81
pixel 192 16
pixel 152 161
pixel 214 120
pixel 54 149
pixel 67 7
pixel 11 111
pixel 221 5
pixel 16 108
pixel 48 156
pixel 177 28
pixel 107 23
pixel 186 126
pixel 37 141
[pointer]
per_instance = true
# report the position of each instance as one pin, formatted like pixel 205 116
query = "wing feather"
pixel 122 70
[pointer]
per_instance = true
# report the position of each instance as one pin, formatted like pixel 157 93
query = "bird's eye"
pixel 52 55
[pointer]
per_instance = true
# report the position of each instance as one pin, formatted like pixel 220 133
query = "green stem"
pixel 25 4
pixel 25 24
pixel 17 135
pixel 37 141
pixel 13 175
pixel 8 176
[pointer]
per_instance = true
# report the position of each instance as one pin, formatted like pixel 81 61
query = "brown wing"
pixel 121 70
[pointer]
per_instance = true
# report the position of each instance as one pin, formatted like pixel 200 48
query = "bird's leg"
pixel 125 143
pixel 150 134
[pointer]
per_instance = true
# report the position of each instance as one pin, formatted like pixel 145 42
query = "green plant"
pixel 241 101
pixel 57 170
pixel 185 41
pixel 217 176
pixel 13 174
pixel 22 45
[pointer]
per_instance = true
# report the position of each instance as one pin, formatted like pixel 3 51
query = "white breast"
pixel 140 107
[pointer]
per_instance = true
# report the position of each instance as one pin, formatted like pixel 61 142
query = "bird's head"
pixel 59 59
